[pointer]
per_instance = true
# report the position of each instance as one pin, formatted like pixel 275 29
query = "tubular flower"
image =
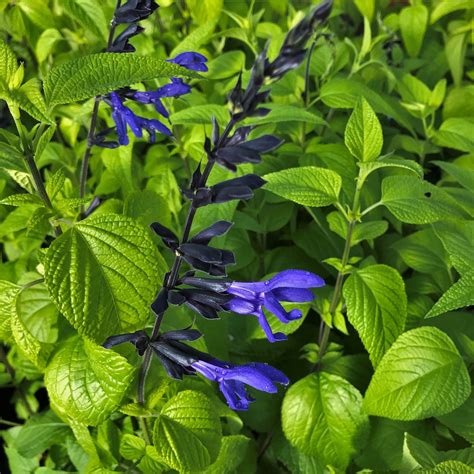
pixel 289 285
pixel 232 379
pixel 191 60
pixel 123 116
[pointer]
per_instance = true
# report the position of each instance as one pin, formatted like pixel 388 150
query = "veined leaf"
pixel 86 382
pixel 8 294
pixel 414 201
pixel 102 274
pixel 308 185
pixel 392 162
pixel 459 295
pixel 286 113
pixel 8 64
pixel 187 434
pixel 420 376
pixel 363 135
pixel 461 420
pixel 322 416
pixel 96 74
pixel 377 307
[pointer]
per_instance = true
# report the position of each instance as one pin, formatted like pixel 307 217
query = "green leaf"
pixel 233 450
pixel 322 416
pixel 456 133
pixel 420 376
pixel 33 323
pixel 362 231
pixel 461 420
pixel 366 8
pixel 205 10
pixel 86 382
pixel 39 433
pixel 448 467
pixel 200 114
pixel 46 43
pixel 8 294
pixel 21 199
pixel 89 15
pixel 8 64
pixel 286 113
pixel 445 8
pixel 308 185
pixel 96 74
pixel 29 98
pixel 194 40
pixel 376 307
pixel 462 175
pixel 459 295
pixel 413 23
pixel 363 135
pixel 226 65
pixel 132 447
pixel 103 274
pixel 414 201
pixel 392 162
pixel 187 434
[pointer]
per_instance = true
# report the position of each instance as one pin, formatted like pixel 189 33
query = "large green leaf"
pixel 456 133
pixel 322 416
pixel 308 185
pixel 231 455
pixel 420 376
pixel 414 201
pixel 103 274
pixel 96 74
pixel 457 296
pixel 86 382
pixel 363 135
pixel 286 113
pixel 187 434
pixel 376 307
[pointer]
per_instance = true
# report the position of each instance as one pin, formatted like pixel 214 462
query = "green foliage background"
pixel 373 189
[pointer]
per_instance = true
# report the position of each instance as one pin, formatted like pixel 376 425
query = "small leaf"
pixel 286 113
pixel 8 64
pixel 96 74
pixel 89 15
pixel 322 417
pixel 421 375
pixel 187 434
pixel 456 133
pixel 86 382
pixel 21 199
pixel 132 447
pixel 410 165
pixel 200 114
pixel 363 136
pixel 457 296
pixel 308 185
pixel 377 307
pixel 461 420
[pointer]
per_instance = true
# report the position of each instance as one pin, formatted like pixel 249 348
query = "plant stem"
pixel 30 162
pixel 93 124
pixel 145 429
pixel 173 275
pixel 325 329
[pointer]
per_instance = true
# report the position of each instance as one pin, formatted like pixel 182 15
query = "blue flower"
pixel 175 89
pixel 232 379
pixel 289 285
pixel 191 60
pixel 123 116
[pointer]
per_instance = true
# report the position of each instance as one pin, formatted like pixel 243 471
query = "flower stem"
pixel 93 123
pixel 325 329
pixel 172 277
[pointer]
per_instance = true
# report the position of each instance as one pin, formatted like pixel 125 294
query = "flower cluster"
pixel 204 287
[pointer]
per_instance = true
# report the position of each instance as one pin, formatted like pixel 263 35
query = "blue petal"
pixel 241 306
pixel 190 60
pixel 251 376
pixel 278 336
pixel 294 295
pixel 274 374
pixel 230 391
pixel 275 307
pixel 295 279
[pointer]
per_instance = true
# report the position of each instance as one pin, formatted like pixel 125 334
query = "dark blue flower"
pixel 191 60
pixel 232 379
pixel 123 116
pixel 289 285
pixel 175 89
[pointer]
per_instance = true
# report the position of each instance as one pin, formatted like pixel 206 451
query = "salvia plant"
pixel 236 236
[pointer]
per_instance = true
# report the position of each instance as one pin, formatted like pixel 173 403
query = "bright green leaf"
pixel 413 23
pixel 308 185
pixel 376 307
pixel 420 376
pixel 89 15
